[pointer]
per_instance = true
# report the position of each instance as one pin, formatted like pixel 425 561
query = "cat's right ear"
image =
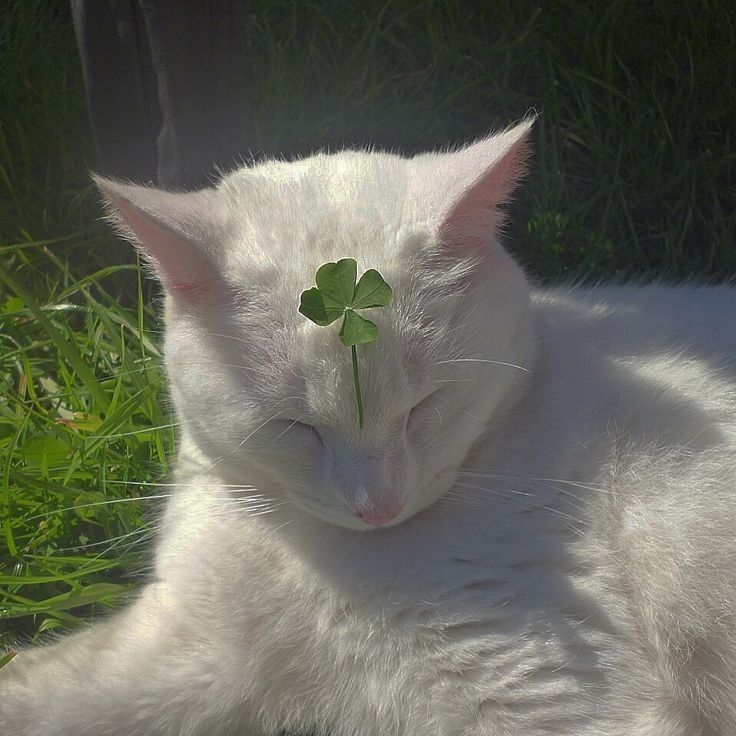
pixel 462 191
pixel 177 233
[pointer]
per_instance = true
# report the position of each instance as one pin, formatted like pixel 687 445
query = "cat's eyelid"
pixel 299 424
pixel 432 393
pixel 426 399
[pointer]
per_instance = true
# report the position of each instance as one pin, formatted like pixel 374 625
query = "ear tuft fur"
pixel 470 185
pixel 176 233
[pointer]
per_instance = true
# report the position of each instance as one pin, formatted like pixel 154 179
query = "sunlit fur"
pixel 563 562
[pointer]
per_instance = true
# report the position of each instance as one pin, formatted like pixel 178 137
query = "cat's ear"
pixel 465 189
pixel 176 233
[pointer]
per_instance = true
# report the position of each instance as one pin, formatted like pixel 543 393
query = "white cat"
pixel 533 533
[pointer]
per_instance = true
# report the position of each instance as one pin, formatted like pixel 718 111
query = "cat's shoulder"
pixel 657 315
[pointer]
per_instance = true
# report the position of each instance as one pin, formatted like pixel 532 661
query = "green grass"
pixel 633 175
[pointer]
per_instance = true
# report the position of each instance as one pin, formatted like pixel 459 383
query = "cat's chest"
pixel 479 631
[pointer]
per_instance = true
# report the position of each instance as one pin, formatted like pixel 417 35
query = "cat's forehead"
pixel 326 195
pixel 328 173
pixel 290 218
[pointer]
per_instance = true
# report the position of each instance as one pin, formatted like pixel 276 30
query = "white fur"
pixel 564 560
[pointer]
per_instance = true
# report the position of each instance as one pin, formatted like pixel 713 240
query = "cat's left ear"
pixel 464 189
pixel 177 233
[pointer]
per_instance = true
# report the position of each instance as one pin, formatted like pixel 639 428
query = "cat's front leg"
pixel 141 673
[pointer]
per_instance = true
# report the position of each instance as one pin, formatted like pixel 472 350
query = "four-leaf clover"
pixel 338 295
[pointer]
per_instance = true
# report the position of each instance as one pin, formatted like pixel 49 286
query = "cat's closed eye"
pixel 296 430
pixel 427 406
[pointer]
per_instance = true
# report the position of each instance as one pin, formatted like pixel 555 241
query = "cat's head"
pixel 267 396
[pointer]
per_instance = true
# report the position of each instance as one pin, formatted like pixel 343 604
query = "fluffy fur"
pixel 559 464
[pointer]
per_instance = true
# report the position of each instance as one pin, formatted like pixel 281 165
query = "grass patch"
pixel 633 174
pixel 85 435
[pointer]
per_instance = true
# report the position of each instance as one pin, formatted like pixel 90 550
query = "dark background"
pixel 633 171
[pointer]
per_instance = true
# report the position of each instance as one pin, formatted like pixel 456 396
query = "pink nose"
pixel 377 517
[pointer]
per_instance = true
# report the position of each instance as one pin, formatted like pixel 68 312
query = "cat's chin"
pixel 367 528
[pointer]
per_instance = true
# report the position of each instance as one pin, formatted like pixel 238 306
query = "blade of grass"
pixel 60 341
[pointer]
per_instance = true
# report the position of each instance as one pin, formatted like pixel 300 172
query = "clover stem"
pixel 356 379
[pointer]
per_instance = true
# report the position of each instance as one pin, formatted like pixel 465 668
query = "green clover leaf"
pixel 357 330
pixel 338 295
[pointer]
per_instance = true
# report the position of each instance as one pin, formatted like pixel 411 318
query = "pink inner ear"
pixel 474 215
pixel 179 265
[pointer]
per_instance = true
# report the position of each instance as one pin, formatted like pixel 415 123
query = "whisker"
pixel 142 538
pixel 264 423
pixel 530 483
pixel 493 490
pixel 239 486
pixel 510 494
pixel 577 484
pixel 459 500
pixel 119 374
pixel 95 503
pixel 133 432
pixel 209 334
pixel 483 360
pixel 279 436
pixel 142 530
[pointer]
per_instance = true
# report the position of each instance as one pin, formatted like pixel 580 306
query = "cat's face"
pixel 266 395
